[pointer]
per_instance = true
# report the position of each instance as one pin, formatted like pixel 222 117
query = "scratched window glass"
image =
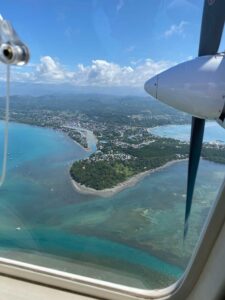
pixel 94 167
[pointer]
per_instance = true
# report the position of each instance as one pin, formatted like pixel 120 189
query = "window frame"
pixel 101 289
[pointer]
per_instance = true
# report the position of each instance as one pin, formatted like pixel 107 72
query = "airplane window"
pixel 97 169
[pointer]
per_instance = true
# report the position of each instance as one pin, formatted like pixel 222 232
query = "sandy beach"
pixel 123 185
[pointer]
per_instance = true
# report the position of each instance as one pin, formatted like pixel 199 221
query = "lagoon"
pixel 132 238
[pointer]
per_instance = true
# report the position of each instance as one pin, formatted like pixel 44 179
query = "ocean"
pixel 134 237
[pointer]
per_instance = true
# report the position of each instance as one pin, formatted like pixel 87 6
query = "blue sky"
pixel 103 42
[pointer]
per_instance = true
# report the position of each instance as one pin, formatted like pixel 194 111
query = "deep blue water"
pixel 114 238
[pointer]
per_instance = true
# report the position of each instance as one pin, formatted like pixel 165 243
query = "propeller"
pixel 211 32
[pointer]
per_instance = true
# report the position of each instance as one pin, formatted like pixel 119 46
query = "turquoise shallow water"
pixel 134 237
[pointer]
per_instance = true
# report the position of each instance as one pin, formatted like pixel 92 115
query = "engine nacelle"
pixel 196 87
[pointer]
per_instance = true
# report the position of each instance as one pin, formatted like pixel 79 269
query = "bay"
pixel 132 238
pixel 214 133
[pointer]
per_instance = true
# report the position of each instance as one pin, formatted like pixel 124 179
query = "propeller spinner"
pixel 197 87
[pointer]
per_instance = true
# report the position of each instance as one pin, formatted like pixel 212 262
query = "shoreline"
pixel 82 189
pixel 59 130
pixel 80 129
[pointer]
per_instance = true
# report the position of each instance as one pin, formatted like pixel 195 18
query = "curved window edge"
pixel 97 288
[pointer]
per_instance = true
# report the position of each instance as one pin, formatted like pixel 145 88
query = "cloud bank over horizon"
pixel 99 73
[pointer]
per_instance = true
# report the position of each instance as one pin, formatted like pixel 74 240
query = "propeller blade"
pixel 197 131
pixel 211 32
pixel 212 27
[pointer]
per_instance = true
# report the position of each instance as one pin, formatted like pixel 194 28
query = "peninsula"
pixel 122 165
pixel 126 151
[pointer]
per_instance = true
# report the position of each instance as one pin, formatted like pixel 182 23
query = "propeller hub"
pixel 151 86
pixel 195 87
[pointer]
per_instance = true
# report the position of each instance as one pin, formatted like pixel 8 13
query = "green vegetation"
pixel 56 110
pixel 125 147
pixel 102 171
pixel 215 153
pixel 93 112
pixel 101 174
pixel 105 171
pixel 76 136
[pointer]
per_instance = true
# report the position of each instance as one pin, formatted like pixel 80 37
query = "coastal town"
pixel 124 147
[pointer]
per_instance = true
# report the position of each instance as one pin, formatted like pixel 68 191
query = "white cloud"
pixel 49 69
pixel 17 74
pixel 176 29
pixel 103 73
pixel 100 73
